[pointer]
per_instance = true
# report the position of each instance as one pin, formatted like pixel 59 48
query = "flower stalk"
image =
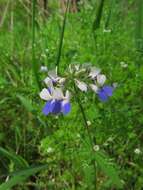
pixel 87 129
pixel 62 37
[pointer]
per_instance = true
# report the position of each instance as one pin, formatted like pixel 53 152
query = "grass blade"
pixel 26 103
pixel 96 23
pixel 21 176
pixel 109 14
pixel 17 160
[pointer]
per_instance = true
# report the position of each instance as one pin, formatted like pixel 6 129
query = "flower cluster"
pixel 58 99
pixel 57 102
pixel 95 81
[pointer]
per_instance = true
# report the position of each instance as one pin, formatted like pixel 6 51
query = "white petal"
pixel 61 80
pixel 94 87
pixel 94 72
pixel 67 96
pixel 77 67
pixel 101 79
pixel 45 95
pixel 58 94
pixel 53 73
pixel 43 68
pixel 81 85
pixel 48 82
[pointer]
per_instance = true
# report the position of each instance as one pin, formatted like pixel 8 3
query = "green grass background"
pixel 117 125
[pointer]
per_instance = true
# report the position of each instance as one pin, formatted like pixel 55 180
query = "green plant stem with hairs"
pixel 62 37
pixel 87 129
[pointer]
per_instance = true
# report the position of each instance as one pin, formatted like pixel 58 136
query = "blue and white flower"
pixel 56 101
pixel 59 102
pixel 105 92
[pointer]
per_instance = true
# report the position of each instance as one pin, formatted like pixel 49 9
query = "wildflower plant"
pixel 58 90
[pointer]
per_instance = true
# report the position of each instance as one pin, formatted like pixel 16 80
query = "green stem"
pixel 34 65
pixel 62 37
pixel 87 129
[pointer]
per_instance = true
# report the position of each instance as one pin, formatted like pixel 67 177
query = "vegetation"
pixel 98 145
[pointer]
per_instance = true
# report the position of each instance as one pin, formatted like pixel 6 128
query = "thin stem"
pixel 87 128
pixel 34 66
pixel 62 37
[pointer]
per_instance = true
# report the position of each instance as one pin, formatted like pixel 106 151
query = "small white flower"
pixel 96 148
pixel 115 84
pixel 94 72
pixel 107 30
pixel 123 64
pixel 101 79
pixel 81 85
pixel 50 150
pixel 94 87
pixel 137 151
pixel 43 68
pixel 89 123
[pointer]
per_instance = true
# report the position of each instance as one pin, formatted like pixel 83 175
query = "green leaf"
pixel 16 159
pixel 97 20
pixel 21 176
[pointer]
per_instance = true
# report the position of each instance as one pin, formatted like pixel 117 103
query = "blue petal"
pixel 102 95
pixel 57 107
pixel 66 107
pixel 49 90
pixel 47 108
pixel 108 90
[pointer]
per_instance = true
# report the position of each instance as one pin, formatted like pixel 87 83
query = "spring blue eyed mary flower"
pixel 59 102
pixel 56 101
pixel 103 91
